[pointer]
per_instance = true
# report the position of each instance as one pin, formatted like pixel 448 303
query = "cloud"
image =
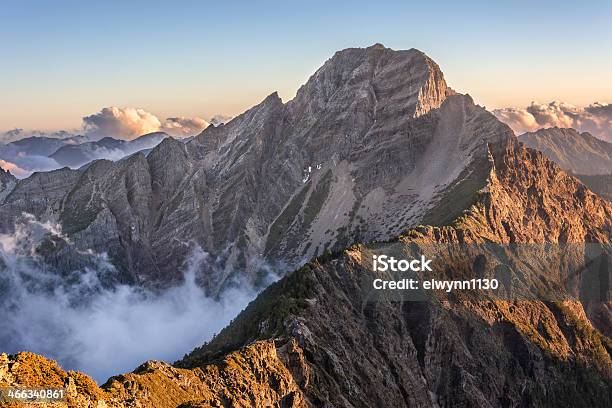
pixel 23 166
pixel 129 123
pixel 595 118
pixel 100 330
pixel 12 135
pixel 14 169
pixel 184 127
pixel 125 123
pixel 220 119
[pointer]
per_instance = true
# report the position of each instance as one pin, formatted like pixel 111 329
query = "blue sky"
pixel 61 60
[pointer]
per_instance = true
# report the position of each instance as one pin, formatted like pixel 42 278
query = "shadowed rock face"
pixel 7 183
pixel 371 145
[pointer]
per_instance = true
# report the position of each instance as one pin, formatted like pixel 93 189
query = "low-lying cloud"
pixel 14 169
pixel 22 166
pixel 595 118
pixel 129 123
pixel 99 330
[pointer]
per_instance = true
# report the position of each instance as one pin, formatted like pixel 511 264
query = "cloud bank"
pixel 14 169
pixel 595 118
pixel 220 119
pixel 129 123
pixel 183 127
pixel 103 331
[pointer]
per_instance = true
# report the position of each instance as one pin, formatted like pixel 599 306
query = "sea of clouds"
pixel 595 118
pixel 97 328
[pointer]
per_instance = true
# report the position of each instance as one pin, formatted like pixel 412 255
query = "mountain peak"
pixel 377 46
pixel 383 79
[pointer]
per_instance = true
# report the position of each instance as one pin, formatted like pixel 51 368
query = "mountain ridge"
pixel 312 340
pixel 578 153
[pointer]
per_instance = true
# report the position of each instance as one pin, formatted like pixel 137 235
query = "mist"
pixel 103 331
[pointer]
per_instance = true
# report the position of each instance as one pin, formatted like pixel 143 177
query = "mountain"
pixel 34 146
pixel 77 155
pixel 316 338
pixel 374 143
pixel 578 153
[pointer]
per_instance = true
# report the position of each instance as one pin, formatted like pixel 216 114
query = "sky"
pixel 63 60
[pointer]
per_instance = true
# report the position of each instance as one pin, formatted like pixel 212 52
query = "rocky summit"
pixel 374 152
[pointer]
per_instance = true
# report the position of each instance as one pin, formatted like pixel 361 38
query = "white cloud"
pixel 14 169
pixel 595 118
pixel 12 135
pixel 101 330
pixel 184 127
pixel 220 119
pixel 124 123
pixel 24 166
pixel 129 123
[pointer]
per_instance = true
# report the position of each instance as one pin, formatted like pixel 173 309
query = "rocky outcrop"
pixel 580 154
pixel 7 183
pixel 259 375
pixel 600 184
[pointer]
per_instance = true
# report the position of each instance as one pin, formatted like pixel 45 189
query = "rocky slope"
pixel 578 153
pixel 7 183
pixel 372 144
pixel 316 337
pixel 461 349
pixel 256 376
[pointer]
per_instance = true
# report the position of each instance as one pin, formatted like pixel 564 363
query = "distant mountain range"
pixel 39 153
pixel 77 155
pixel 580 154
